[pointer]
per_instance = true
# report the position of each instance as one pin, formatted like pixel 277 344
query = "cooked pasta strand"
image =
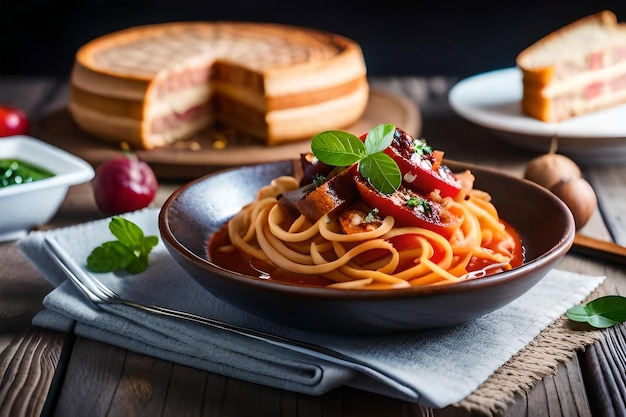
pixel 368 260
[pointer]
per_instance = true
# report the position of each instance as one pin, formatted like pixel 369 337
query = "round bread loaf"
pixel 150 86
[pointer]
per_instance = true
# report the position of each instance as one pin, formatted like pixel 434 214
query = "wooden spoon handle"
pixel 598 248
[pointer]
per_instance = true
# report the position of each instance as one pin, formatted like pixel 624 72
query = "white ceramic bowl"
pixel 25 206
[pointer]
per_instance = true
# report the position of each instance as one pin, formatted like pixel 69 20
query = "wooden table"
pixel 50 373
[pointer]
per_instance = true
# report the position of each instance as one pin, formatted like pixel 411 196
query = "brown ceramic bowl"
pixel 197 210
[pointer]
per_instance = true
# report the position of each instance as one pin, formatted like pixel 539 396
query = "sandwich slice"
pixel 577 69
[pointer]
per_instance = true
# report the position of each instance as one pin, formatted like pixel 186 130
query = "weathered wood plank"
pixel 28 367
pixel 93 373
pixel 609 183
pixel 604 368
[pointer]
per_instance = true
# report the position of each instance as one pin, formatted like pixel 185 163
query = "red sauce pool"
pixel 238 262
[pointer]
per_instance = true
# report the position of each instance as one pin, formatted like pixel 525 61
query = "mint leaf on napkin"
pixel 130 252
pixel 601 313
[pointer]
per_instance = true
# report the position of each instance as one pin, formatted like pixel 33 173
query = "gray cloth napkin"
pixel 435 368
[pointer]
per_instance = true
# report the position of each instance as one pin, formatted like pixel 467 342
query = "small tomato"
pixel 408 208
pixel 13 121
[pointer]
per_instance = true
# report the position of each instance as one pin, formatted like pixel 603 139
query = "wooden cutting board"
pixel 216 148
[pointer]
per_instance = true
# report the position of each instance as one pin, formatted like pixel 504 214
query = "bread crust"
pixel 604 18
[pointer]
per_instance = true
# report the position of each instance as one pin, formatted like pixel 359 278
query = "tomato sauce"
pixel 236 261
pixel 518 252
pixel 233 260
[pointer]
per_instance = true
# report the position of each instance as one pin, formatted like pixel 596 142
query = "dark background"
pixel 398 37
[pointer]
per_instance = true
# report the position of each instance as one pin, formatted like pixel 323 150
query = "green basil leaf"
pixel 149 242
pixel 379 138
pixel 601 313
pixel 110 256
pixel 126 231
pixel 131 251
pixel 139 263
pixel 338 148
pixel 382 172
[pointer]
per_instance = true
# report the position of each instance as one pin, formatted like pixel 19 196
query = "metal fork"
pixel 98 293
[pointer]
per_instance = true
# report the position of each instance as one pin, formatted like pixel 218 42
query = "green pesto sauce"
pixel 16 171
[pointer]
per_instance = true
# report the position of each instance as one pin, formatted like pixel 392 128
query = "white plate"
pixel 492 100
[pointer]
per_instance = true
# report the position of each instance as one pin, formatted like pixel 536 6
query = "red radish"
pixel 124 184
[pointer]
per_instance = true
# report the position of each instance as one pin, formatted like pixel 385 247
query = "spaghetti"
pixel 357 248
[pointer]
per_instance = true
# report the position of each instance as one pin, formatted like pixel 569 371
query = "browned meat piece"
pixel 329 198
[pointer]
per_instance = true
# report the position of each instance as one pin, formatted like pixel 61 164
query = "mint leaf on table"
pixel 601 313
pixel 130 251
pixel 342 149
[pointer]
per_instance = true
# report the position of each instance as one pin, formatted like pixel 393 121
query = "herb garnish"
pixel 16 171
pixel 415 202
pixel 129 252
pixel 371 216
pixel 601 313
pixel 421 148
pixel 342 149
pixel 318 180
